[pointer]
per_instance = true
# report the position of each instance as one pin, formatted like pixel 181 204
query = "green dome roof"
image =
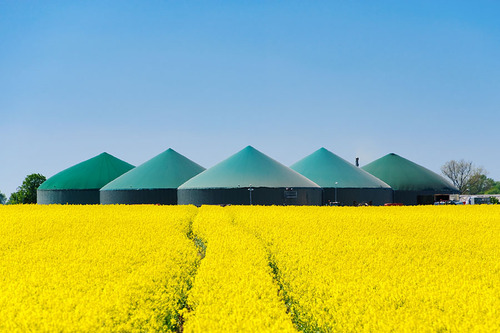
pixel 166 170
pixel 326 169
pixel 88 175
pixel 404 175
pixel 245 168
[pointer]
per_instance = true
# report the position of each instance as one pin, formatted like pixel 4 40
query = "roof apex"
pixel 405 175
pixel 167 170
pixel 248 166
pixel 89 174
pixel 329 170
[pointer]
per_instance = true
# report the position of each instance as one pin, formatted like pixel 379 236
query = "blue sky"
pixel 207 78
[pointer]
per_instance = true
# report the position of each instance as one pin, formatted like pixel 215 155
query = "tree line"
pixel 468 178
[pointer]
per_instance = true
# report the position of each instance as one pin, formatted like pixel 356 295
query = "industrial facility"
pixel 249 177
pixel 153 182
pixel 80 184
pixel 343 183
pixel 412 184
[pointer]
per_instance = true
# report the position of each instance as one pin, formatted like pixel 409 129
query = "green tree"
pixel 479 183
pixel 26 193
pixel 3 198
pixel 15 198
pixel 495 189
pixel 459 173
pixel 468 178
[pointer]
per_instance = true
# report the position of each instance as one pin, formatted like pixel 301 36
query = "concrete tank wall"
pixel 355 196
pixel 241 196
pixel 138 197
pixel 70 197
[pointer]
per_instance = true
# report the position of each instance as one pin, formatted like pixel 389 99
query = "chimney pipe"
pixel 357 162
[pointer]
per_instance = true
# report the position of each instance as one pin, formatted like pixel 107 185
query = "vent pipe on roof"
pixel 357 162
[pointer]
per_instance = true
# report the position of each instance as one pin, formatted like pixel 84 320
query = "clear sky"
pixel 206 78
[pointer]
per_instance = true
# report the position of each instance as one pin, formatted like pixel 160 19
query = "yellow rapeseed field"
pixel 311 269
pixel 94 268
pixel 234 289
pixel 399 269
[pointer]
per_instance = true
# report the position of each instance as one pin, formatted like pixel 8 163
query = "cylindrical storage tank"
pixel 249 177
pixel 153 182
pixel 412 184
pixel 80 184
pixel 342 182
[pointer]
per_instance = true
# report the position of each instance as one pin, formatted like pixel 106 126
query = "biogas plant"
pixel 248 177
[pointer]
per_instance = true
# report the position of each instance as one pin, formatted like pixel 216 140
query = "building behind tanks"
pixel 153 182
pixel 249 177
pixel 412 184
pixel 342 182
pixel 80 184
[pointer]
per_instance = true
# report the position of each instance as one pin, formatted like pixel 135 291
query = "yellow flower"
pixel 265 269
